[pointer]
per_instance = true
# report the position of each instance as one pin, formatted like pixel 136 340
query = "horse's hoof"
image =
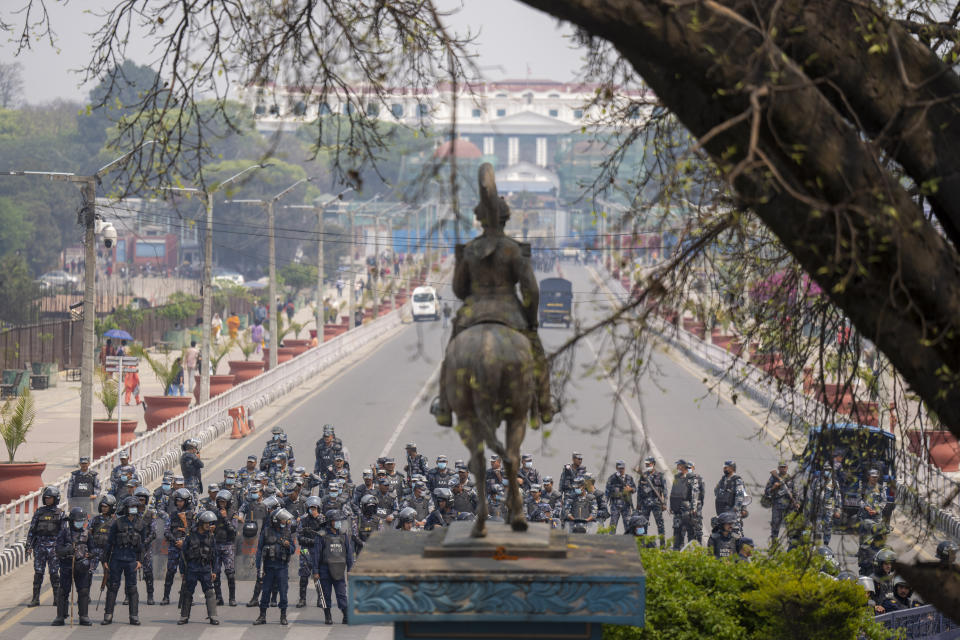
pixel 479 532
pixel 519 525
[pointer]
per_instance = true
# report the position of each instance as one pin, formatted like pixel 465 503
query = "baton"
pixel 323 601
pixel 73 564
pixel 103 584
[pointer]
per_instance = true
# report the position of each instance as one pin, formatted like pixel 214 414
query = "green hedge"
pixel 692 595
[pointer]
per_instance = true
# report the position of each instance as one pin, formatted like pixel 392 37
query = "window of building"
pixel 554 113
pixel 274 110
pixel 555 96
pixel 541 152
pixel 423 110
pixel 348 109
pixel 528 98
pixel 633 112
pixel 501 95
pixel 488 146
pixel 324 109
pixel 397 110
pixel 373 109
pixel 300 109
pixel 476 113
pixel 259 110
pixel 513 151
pixel 577 114
pixel 501 113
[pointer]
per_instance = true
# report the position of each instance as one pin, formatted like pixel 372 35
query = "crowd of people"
pixel 324 518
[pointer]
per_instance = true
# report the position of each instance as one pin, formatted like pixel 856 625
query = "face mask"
pixel 441 465
pixel 77 525
pixel 578 491
pixel 528 465
pixel 338 525
pixel 229 482
pixel 282 525
pixel 334 494
pixel 640 531
pixel 165 487
pixel 132 511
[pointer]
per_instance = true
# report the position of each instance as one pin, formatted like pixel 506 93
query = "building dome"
pixel 460 149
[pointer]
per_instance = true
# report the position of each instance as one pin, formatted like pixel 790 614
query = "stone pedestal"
pixel 539 584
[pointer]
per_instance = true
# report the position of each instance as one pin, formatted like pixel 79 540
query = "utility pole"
pixel 352 277
pixel 88 217
pixel 272 268
pixel 376 266
pixel 207 292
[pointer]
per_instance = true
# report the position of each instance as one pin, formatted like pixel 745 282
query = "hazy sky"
pixel 514 42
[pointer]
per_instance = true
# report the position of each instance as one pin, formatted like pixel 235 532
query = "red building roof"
pixel 460 148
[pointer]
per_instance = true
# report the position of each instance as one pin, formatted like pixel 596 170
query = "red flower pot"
pixel 244 370
pixel 722 340
pixel 299 346
pixel 867 413
pixel 159 409
pixel 105 435
pixel 218 384
pixel 283 355
pixel 695 327
pixel 917 443
pixel 944 451
pixel 19 478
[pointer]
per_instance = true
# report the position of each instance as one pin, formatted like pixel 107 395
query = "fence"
pixel 159 449
pixel 922 623
pixel 793 406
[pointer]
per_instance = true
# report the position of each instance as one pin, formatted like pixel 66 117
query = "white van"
pixel 426 303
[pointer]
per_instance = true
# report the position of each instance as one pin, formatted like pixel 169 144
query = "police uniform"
pixel 781 501
pixel 416 464
pixel 554 497
pixel 684 499
pixel 99 532
pixel 619 492
pixel 439 477
pixel 334 560
pixel 723 544
pixel 225 537
pixel 465 501
pixel 568 475
pixel 325 455
pixel 42 541
pixel 539 511
pixel 728 497
pixel 308 531
pixel 177 529
pixel 121 475
pixel 701 488
pixel 200 554
pixel 146 523
pixel 83 484
pixel 651 496
pixel 73 552
pixel 579 507
pixel 190 467
pixel 273 553
pixel 422 505
pixel 124 550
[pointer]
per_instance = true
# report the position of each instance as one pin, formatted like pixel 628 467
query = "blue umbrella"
pixel 119 334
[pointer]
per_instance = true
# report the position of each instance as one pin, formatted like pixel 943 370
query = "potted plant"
pixel 245 369
pixel 18 478
pixel 296 343
pixel 179 307
pixel 218 384
pixel 283 353
pixel 105 429
pixel 159 409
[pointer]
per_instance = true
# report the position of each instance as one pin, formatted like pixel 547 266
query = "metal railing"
pixel 795 407
pixel 158 450
pixel 921 623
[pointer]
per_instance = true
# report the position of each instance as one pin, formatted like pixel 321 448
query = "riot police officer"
pixel 334 560
pixel 73 552
pixel 419 502
pixel 246 475
pixel 366 488
pixel 701 488
pixel 370 517
pixel 538 509
pixel 780 494
pixel 947 553
pixel 683 505
pixel 729 494
pixel 443 514
pixel 603 513
pixel 83 483
pixel 619 494
pixel 191 465
pixel 465 499
pixel 161 495
pixel 273 551
pixel 386 499
pixel 651 496
pixel 254 514
pixel 570 472
pixel 722 542
pixel 494 475
pixel 42 540
pixel 580 507
pixel 406 519
pixel 308 530
pixel 121 474
pixel 146 522
pixel 416 463
pixel 100 529
pixel 551 495
pixel 225 536
pixel 324 453
pixel 176 532
pixel 395 479
pixel 121 559
pixel 209 501
pixel 441 475
pixel 200 553
pixel 529 476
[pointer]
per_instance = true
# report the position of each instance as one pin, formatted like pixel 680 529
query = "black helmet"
pixel 367 499
pixel 271 503
pixel 847 575
pixel 142 492
pixel 128 503
pixel 250 529
pixel 947 552
pixel 51 492
pixel 225 495
pixel 208 516
pixel 108 500
pixel 77 514
pixel 332 515
pixel 183 494
pixel 443 493
pixel 637 520
pixel 315 501
pixel 280 517
pixel 407 514
pixel 727 517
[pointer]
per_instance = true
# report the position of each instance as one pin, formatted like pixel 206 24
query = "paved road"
pixel 376 408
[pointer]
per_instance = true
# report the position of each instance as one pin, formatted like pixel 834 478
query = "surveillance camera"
pixel 107 231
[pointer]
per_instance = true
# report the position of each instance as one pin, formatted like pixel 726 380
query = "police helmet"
pixel 280 517
pixel 108 500
pixel 727 517
pixel 332 515
pixel 299 470
pixel 744 542
pixel 407 514
pixel 828 563
pixel 124 454
pixel 547 479
pixel 270 490
pixel 898 580
pixel 187 444
pixel 213 486
pixel 638 521
pixel 364 501
pixel 142 492
pixel 208 516
pixel 885 555
pixel 77 514
pixel 411 445
pixel 276 430
pixel 497 488
pixel 947 552
pixel 271 502
pixel 282 439
pixel 250 529
pixel 328 430
pixel 867 583
pixel 536 487
pixel 128 503
pixel 183 494
pixel 577 482
pixel 443 493
pixel 847 575
pixel 315 501
pixel 225 495
pixel 51 492
pixel 280 455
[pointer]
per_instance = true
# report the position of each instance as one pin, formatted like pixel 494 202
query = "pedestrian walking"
pixel 190 359
pixel 447 312
pixel 131 387
pixel 216 325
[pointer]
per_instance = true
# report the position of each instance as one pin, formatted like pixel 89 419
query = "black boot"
pixel 218 591
pixel 273 596
pixel 185 605
pixel 108 606
pixel 211 596
pixel 255 600
pixel 61 601
pixel 283 617
pixel 344 612
pixel 83 607
pixel 55 585
pixel 37 583
pixel 302 602
pixel 327 618
pixel 232 586
pixel 150 591
pixel 134 600
pixel 167 585
pixel 262 618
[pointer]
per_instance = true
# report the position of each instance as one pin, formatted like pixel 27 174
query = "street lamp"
pixel 88 186
pixel 207 311
pixel 272 290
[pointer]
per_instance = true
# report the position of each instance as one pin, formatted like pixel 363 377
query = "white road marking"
pixel 417 400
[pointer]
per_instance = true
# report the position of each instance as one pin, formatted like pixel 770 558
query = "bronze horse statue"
pixel 495 369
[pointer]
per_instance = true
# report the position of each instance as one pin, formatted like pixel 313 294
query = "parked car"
pixel 426 303
pixel 59 279
pixel 220 273
pixel 139 303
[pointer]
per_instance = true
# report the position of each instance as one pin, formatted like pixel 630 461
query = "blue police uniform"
pixel 41 541
pixel 334 560
pixel 123 552
pixel 273 553
pixel 200 556
pixel 73 551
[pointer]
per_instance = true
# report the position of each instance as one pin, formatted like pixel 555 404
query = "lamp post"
pixel 207 298
pixel 88 217
pixel 272 270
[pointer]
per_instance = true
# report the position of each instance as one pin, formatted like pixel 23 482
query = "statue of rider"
pixel 488 270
